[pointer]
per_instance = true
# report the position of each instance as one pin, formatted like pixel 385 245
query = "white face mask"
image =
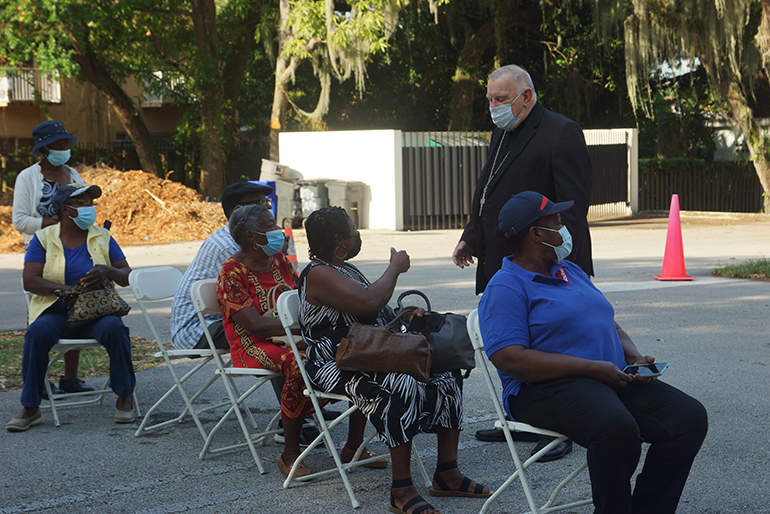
pixel 502 115
pixel 565 248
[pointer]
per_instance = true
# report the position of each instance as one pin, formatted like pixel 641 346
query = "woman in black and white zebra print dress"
pixel 333 295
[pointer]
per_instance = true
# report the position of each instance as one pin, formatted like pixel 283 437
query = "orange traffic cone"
pixel 673 259
pixel 291 251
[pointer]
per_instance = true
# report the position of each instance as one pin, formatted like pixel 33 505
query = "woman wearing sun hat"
pixel 33 209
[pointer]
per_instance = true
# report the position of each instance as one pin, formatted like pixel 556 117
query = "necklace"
pixel 493 172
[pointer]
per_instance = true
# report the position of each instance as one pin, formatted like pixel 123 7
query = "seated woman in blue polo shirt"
pixel 553 338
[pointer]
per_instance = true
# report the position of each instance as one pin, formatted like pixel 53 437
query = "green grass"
pixel 759 269
pixel 93 363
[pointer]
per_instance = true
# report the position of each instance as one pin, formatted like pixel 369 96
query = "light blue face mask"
pixel 86 217
pixel 565 248
pixel 502 115
pixel 58 157
pixel 275 240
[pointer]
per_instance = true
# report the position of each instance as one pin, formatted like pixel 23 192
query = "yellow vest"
pixel 98 242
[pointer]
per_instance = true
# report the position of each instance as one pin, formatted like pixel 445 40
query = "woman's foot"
pixel 28 417
pixel 285 463
pixel 405 500
pixel 346 455
pixel 448 481
pixel 124 410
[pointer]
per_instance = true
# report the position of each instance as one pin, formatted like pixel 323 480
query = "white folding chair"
pixel 288 312
pixel 514 426
pixel 204 297
pixel 160 283
pixel 55 401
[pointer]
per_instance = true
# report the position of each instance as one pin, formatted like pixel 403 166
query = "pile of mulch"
pixel 142 208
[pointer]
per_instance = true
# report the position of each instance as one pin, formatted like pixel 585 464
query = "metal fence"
pixel 719 186
pixel 440 171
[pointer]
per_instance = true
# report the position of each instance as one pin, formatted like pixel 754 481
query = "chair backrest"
pixel 204 299
pixel 157 283
pixel 204 296
pixel 149 284
pixel 474 332
pixel 288 308
pixel 288 313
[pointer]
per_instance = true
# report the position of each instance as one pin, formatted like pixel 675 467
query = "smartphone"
pixel 426 323
pixel 655 369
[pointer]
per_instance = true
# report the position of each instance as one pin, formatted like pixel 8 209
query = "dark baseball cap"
pixel 525 208
pixel 64 193
pixel 49 132
pixel 234 193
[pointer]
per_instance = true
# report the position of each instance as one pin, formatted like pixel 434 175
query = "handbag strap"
pixel 399 317
pixel 411 292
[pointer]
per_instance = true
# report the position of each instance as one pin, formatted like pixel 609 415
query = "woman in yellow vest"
pixel 58 257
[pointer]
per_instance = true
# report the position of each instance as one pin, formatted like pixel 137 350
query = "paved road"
pixel 714 331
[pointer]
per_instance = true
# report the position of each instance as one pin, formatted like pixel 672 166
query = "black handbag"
pixel 447 334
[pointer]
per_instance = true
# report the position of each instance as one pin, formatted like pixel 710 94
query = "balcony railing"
pixel 20 85
pixel 175 83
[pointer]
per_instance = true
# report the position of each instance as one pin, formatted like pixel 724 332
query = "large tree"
pixel 338 39
pixel 86 39
pixel 729 38
pixel 207 44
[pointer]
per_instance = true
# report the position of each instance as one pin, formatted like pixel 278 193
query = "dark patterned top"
pixel 45 208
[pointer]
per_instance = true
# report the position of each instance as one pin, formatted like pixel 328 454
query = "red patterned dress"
pixel 239 287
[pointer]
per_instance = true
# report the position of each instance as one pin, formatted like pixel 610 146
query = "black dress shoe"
pixel 556 453
pixel 54 390
pixel 497 436
pixel 73 385
pixel 329 415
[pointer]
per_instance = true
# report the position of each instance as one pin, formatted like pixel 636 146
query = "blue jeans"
pixel 612 424
pixel 49 327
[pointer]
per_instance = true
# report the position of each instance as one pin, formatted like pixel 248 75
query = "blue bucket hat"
pixel 49 132
pixel 523 209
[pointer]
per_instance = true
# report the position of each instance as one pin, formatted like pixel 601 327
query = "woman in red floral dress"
pixel 244 294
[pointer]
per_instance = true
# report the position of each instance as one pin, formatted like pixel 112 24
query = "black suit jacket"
pixel 549 156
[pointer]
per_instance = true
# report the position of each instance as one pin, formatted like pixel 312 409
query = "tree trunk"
pixel 233 72
pixel 282 65
pixel 755 138
pixel 467 77
pixel 211 98
pixel 132 121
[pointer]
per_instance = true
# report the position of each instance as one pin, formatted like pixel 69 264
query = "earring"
pixel 255 246
pixel 337 256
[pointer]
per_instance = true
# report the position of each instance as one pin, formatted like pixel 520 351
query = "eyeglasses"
pixel 79 204
pixel 267 202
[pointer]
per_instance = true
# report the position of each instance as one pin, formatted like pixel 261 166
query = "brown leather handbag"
pixel 376 349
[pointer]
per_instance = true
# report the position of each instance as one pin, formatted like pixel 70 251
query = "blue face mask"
pixel 502 115
pixel 58 157
pixel 86 217
pixel 565 248
pixel 275 241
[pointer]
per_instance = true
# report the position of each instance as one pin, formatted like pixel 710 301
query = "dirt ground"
pixel 142 208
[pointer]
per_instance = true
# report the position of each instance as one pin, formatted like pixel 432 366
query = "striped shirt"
pixel 186 330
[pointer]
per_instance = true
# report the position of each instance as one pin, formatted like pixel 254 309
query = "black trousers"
pixel 612 424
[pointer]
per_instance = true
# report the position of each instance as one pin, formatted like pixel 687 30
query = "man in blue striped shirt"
pixel 186 330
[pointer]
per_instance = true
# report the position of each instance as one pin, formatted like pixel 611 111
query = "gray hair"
pixel 519 75
pixel 246 218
